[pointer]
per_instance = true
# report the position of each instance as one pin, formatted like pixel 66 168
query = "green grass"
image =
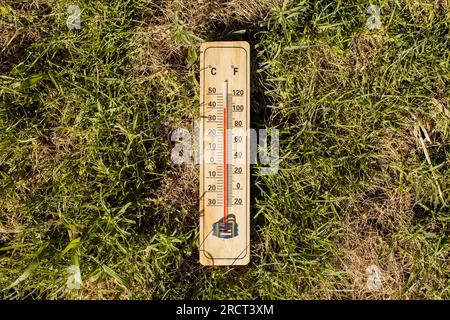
pixel 85 171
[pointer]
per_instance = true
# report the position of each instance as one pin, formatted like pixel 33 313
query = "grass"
pixel 85 171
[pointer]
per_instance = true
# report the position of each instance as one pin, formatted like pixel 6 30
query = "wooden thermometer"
pixel 224 153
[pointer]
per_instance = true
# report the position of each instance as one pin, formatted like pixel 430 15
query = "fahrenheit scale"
pixel 224 153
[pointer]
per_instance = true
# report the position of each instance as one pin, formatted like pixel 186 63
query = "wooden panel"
pixel 224 153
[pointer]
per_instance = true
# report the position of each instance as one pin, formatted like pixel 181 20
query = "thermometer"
pixel 224 153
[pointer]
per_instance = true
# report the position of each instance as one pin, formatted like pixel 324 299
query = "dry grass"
pixel 85 151
pixel 166 39
pixel 370 223
pixel 377 221
pixel 22 25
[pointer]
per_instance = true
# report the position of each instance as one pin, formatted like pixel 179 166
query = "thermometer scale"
pixel 224 153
